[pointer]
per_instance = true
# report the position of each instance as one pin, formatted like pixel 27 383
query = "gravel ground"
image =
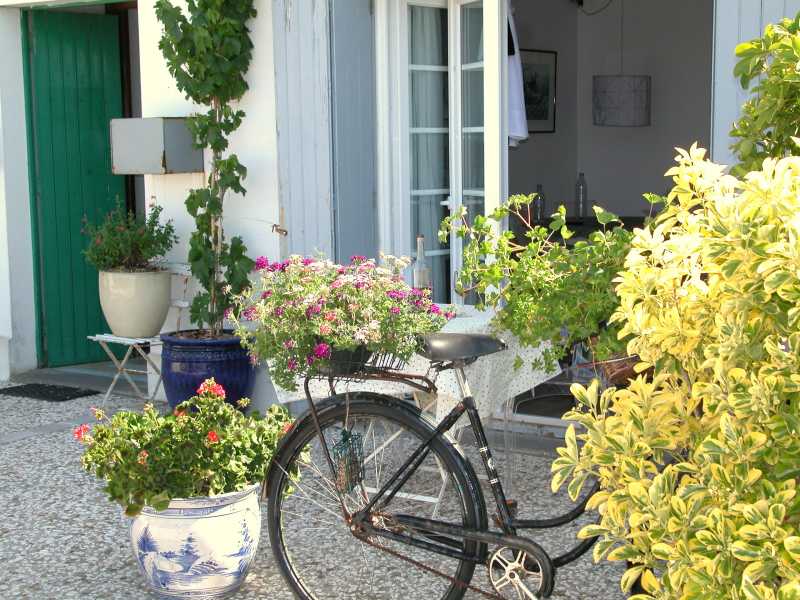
pixel 61 539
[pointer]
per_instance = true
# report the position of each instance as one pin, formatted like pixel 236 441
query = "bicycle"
pixel 365 485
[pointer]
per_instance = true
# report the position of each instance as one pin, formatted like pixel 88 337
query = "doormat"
pixel 50 393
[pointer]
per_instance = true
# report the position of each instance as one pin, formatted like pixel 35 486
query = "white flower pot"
pixel 135 304
pixel 198 547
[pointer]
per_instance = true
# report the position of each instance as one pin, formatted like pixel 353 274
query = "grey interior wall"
pixel 671 40
pixel 549 158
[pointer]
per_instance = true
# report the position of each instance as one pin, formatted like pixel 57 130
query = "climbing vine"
pixel 208 51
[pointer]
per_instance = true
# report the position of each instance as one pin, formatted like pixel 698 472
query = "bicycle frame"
pixel 437 531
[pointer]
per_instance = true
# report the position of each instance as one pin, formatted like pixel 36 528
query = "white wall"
pixel 17 326
pixel 549 159
pixel 255 143
pixel 672 42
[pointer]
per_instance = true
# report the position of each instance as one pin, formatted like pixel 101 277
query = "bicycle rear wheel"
pixel 313 545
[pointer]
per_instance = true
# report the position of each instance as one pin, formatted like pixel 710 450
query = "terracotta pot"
pixel 135 304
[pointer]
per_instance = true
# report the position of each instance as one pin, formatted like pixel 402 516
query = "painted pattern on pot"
pixel 198 547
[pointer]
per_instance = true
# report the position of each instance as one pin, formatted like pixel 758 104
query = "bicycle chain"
pixel 430 569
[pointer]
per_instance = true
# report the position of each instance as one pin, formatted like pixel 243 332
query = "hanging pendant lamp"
pixel 621 100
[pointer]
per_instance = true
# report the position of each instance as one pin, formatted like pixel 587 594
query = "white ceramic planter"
pixel 135 304
pixel 198 547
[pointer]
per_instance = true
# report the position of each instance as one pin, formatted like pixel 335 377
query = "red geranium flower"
pixel 287 427
pixel 80 432
pixel 212 437
pixel 209 386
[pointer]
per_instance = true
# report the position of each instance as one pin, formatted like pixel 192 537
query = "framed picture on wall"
pixel 539 85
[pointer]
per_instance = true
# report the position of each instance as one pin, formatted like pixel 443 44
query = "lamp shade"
pixel 621 100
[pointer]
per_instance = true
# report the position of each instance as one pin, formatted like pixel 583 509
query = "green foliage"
pixel 547 290
pixel 208 53
pixel 206 448
pixel 307 309
pixel 698 467
pixel 123 242
pixel 770 121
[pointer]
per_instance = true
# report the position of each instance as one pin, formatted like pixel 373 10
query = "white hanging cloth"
pixel 517 120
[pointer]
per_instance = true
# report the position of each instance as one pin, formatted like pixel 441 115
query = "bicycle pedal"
pixel 512 510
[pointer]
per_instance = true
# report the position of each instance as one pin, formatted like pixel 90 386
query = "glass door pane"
pixel 472 107
pixel 429 127
pixel 471 134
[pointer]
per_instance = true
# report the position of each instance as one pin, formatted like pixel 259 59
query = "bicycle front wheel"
pixel 313 545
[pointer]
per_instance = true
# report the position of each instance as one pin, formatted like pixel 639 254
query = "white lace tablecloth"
pixel 492 379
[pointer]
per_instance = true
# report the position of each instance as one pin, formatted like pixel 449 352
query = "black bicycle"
pixel 366 486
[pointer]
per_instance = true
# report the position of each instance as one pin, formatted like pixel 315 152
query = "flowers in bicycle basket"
pixel 307 310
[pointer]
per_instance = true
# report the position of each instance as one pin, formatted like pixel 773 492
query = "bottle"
pixel 581 195
pixel 422 273
pixel 539 204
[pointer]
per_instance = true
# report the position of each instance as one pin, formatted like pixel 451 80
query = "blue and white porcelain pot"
pixel 198 547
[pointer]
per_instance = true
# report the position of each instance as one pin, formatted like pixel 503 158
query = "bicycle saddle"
pixel 459 346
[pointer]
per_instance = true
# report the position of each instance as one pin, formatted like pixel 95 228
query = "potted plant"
pixel 314 317
pixel 134 290
pixel 546 291
pixel 208 51
pixel 698 465
pixel 190 480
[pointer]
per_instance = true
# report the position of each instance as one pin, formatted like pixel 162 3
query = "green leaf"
pixel 790 591
pixel 792 545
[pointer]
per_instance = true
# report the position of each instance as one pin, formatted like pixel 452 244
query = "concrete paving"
pixel 61 539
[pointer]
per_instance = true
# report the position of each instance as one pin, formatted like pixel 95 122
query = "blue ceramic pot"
pixel 186 362
pixel 198 547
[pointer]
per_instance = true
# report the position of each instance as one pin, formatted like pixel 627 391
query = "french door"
pixel 444 110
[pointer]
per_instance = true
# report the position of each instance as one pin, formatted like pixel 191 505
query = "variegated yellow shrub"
pixel 699 464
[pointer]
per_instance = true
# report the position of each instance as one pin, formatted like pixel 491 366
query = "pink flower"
pixel 330 316
pixel 289 344
pixel 434 309
pixel 395 310
pixel 449 315
pixel 250 313
pixel 261 263
pixel 212 437
pixel 314 309
pixel 322 350
pixel 80 432
pixel 396 294
pixel 307 261
pixel 228 312
pixel 211 387
pixel 265 295
pixel 358 258
pixel 291 364
pixel 337 283
pixel 142 458
pixel 278 311
pixel 325 329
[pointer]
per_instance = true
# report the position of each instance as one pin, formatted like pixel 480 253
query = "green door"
pixel 75 89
